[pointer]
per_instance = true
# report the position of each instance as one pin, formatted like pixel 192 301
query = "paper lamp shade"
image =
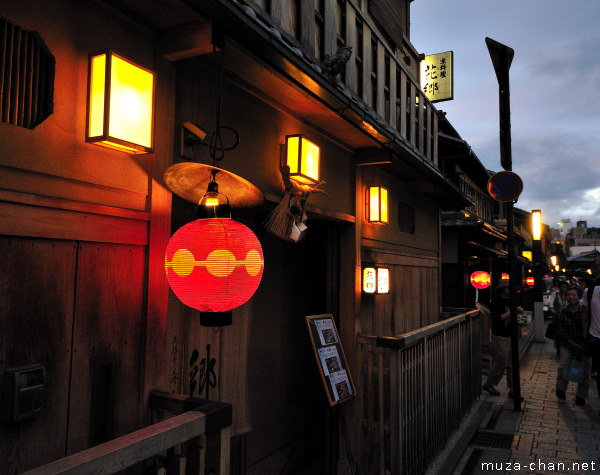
pixel 376 201
pixel 369 280
pixel 214 264
pixel 302 156
pixel 480 279
pixel 383 280
pixel 120 104
pixel 536 224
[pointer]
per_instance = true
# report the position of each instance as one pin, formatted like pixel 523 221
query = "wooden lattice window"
pixel 26 77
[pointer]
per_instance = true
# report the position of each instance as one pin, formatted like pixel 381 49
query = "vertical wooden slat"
pixel 369 408
pixel 35 84
pixel 428 132
pixel 277 12
pixel 307 25
pixel 403 96
pixel 351 41
pixel 380 100
pixel 381 416
pixel 420 128
pixel 393 94
pixel 435 140
pixel 367 61
pixel 412 113
pixel 24 48
pixel 395 419
pixel 8 73
pixel 14 87
pixel 3 59
pixel 27 102
pixel 330 46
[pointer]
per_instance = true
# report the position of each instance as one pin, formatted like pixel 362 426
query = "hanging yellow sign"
pixel 436 76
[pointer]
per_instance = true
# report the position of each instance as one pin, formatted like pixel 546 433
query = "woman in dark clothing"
pixel 500 345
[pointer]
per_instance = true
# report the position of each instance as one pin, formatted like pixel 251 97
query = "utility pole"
pixel 502 57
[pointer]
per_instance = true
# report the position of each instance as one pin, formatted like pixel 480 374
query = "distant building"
pixel 582 239
pixel 564 226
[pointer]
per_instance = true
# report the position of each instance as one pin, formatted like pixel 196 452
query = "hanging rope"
pixel 216 147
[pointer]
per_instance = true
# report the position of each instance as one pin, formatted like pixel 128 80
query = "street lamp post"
pixel 502 57
pixel 538 272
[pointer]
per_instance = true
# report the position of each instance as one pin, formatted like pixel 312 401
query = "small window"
pixel 26 77
pixel 406 218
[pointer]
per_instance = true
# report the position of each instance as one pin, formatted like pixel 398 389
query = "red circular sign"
pixel 505 186
pixel 480 279
pixel 214 264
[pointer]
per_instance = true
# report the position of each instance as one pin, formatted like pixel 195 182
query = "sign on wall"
pixel 330 358
pixel 437 76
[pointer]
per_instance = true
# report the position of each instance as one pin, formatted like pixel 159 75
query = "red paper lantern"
pixel 214 264
pixel 530 281
pixel 480 279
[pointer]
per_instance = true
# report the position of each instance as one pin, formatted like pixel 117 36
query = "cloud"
pixel 553 82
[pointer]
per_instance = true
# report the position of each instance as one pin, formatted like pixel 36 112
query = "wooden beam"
pixel 373 156
pixel 186 40
pixel 129 449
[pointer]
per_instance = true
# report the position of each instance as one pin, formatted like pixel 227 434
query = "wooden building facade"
pixel 83 229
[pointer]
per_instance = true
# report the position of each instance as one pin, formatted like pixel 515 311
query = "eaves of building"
pixel 265 63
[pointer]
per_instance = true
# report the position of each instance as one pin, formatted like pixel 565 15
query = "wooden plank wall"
pixel 77 309
pixel 412 302
pixel 398 98
pixel 37 280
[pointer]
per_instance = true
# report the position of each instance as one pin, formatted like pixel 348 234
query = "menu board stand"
pixel 331 359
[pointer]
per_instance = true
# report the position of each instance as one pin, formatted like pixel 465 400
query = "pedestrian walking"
pixel 591 302
pixel 500 346
pixel 571 336
pixel 559 300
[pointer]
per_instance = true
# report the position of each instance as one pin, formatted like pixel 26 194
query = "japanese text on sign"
pixel 436 76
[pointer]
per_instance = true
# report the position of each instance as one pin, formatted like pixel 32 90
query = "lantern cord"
pixel 216 147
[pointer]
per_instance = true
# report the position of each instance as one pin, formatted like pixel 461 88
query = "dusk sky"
pixel 554 82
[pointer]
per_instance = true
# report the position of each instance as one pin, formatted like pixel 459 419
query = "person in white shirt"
pixel 592 305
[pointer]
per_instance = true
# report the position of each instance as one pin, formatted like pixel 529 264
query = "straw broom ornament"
pixel 287 220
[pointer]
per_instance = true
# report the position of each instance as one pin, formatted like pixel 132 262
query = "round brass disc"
pixel 189 180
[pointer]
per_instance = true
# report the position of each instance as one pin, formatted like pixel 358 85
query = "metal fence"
pixel 415 388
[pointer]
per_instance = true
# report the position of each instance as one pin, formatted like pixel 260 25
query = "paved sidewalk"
pixel 548 436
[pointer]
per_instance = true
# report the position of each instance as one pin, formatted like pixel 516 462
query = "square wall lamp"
pixel 302 156
pixel 376 205
pixel 376 280
pixel 120 104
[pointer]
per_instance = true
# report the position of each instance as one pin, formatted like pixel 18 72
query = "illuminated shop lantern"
pixel 528 255
pixel 530 281
pixel 369 280
pixel 376 280
pixel 505 276
pixel 376 201
pixel 536 224
pixel 214 264
pixel 383 280
pixel 120 104
pixel 480 280
pixel 302 156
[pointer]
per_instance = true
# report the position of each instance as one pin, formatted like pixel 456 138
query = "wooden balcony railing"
pixel 483 206
pixel 376 73
pixel 415 388
pixel 177 444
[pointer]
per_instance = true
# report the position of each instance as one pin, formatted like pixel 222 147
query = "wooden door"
pixel 77 309
pixel 107 344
